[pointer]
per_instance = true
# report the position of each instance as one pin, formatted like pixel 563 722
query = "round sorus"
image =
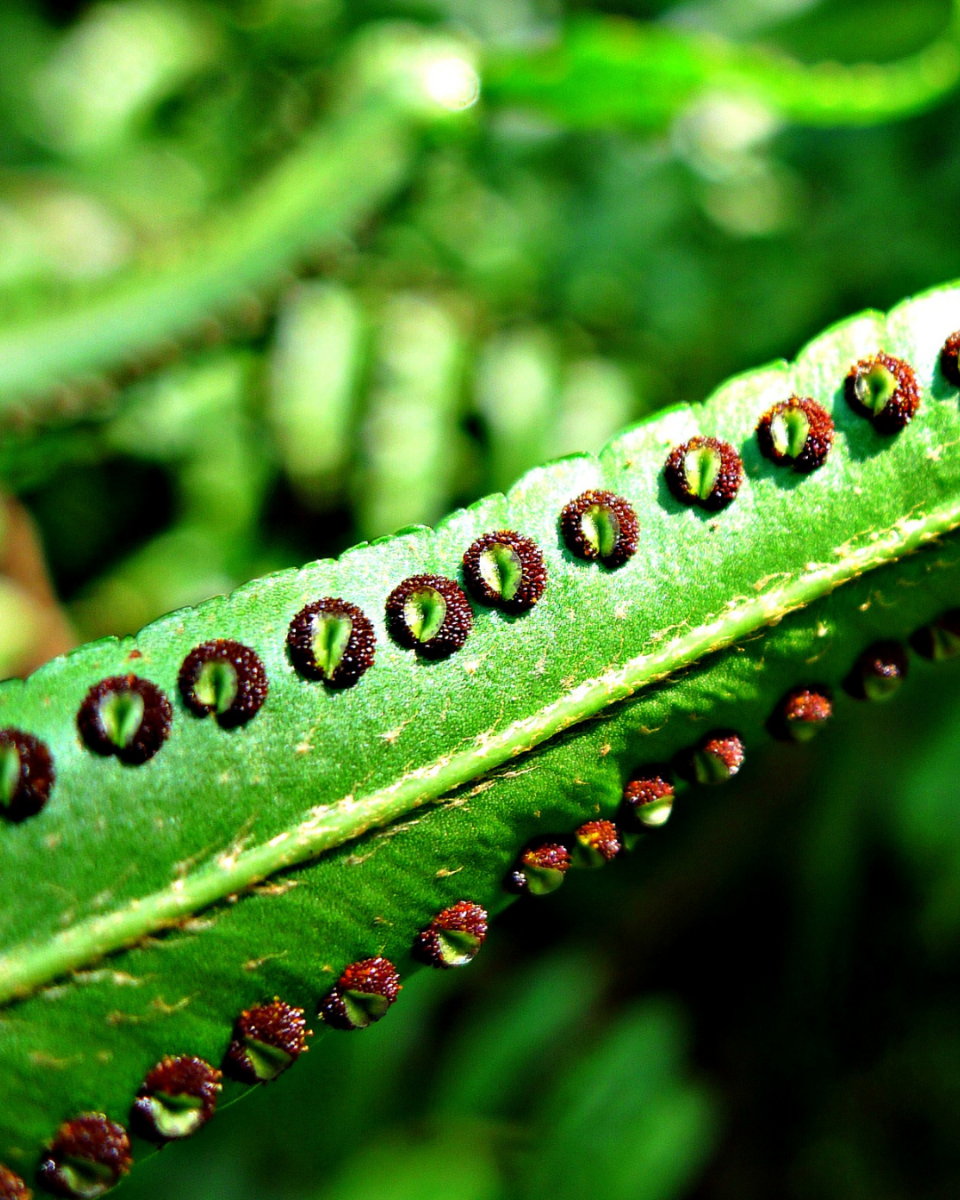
pixel 12 1186
pixel 950 359
pixel 883 389
pixel 267 1039
pixel 225 678
pixel 26 774
pixel 126 716
pixel 505 570
pixel 797 432
pixel 802 714
pixel 704 471
pixel 940 639
pixel 600 526
pixel 649 796
pixel 333 641
pixel 429 614
pixel 878 672
pixel 87 1157
pixel 453 937
pixel 540 869
pixel 595 843
pixel 364 992
pixel 177 1097
pixel 717 758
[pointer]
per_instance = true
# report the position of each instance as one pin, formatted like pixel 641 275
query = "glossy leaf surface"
pixel 239 864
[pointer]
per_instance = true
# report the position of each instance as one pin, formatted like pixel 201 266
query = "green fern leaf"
pixel 188 867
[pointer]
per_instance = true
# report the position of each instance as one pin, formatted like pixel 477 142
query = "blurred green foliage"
pixel 766 1002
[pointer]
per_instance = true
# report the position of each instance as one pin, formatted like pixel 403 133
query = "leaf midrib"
pixel 30 965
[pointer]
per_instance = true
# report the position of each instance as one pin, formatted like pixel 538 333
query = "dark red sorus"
pixel 704 471
pixel 125 716
pixel 429 614
pixel 453 937
pixel 224 678
pixel 505 570
pixel 26 774
pixel 649 796
pixel 717 758
pixel 600 526
pixel 332 641
pixel 87 1157
pixel 801 714
pixel 540 869
pixel 884 390
pixel 878 672
pixel 797 432
pixel 364 992
pixel 949 355
pixel 177 1097
pixel 596 843
pixel 12 1186
pixel 940 639
pixel 267 1040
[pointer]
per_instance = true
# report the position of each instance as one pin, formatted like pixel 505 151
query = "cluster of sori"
pixel 89 1154
pixel 332 641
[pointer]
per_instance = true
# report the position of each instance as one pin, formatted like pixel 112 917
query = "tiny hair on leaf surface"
pixel 212 900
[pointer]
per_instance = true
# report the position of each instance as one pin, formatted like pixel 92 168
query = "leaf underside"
pixel 708 625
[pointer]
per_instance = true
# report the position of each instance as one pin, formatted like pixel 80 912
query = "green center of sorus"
pixel 267 1061
pixel 217 684
pixel 501 570
pixel 85 1179
pixel 424 611
pixel 331 636
pixel 657 812
pixel 121 715
pixel 701 467
pixel 363 1008
pixel 601 529
pixel 457 946
pixel 883 684
pixel 9 773
pixel 175 1116
pixel 874 388
pixel 788 432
